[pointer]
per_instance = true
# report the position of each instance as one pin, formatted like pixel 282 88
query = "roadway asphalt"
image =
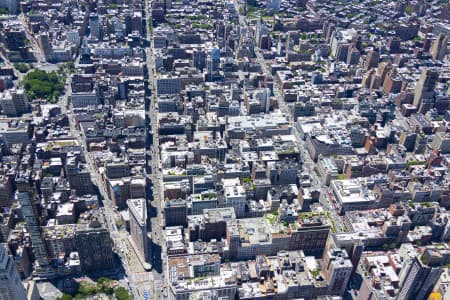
pixel 155 206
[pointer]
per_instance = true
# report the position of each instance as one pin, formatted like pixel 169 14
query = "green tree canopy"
pixel 42 85
pixel 122 294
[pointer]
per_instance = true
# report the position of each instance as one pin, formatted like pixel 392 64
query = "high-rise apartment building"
pixel 372 60
pixel 11 288
pixel 418 276
pixel 94 25
pixel 439 47
pixel 424 92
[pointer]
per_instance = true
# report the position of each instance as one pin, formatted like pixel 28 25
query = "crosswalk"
pixel 146 295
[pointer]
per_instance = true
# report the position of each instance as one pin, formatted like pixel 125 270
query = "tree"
pixel 70 65
pixel 65 297
pixel 122 294
pixel 87 289
pixel 21 67
pixel 104 285
pixel 42 85
pixel 409 9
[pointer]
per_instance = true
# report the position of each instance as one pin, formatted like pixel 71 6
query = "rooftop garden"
pixel 271 218
pixel 205 26
pixel 415 163
pixel 206 196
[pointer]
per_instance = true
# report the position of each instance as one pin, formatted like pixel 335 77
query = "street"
pixel 155 206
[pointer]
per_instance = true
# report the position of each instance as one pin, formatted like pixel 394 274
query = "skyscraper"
pixel 138 227
pixel 424 92
pixel 273 5
pixel 42 267
pixel 94 244
pixel 94 25
pixel 439 47
pixel 11 5
pixel 45 45
pixel 337 269
pixel 14 102
pixel 418 278
pixel 213 64
pixel 79 176
pixel 11 287
pixel 372 60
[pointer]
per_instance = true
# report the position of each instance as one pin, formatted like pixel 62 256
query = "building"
pixel 117 169
pixel 441 142
pixel 417 278
pixel 80 100
pixel 372 60
pixel 196 273
pixel 327 169
pixel 337 269
pixel 11 5
pixel 73 36
pixel 211 225
pixel 273 5
pixel 168 85
pixel 341 44
pixel 79 177
pixel 201 201
pixel 59 239
pixel 14 132
pixel 11 287
pixel 31 290
pixel 439 47
pixel 424 92
pixel 213 64
pixel 175 212
pixel 94 25
pixel 381 280
pixel 6 189
pixel 253 236
pixel 46 46
pixel 94 244
pixel 350 194
pixel 235 197
pixel 42 267
pixel 14 103
pixel 392 83
pixel 137 209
